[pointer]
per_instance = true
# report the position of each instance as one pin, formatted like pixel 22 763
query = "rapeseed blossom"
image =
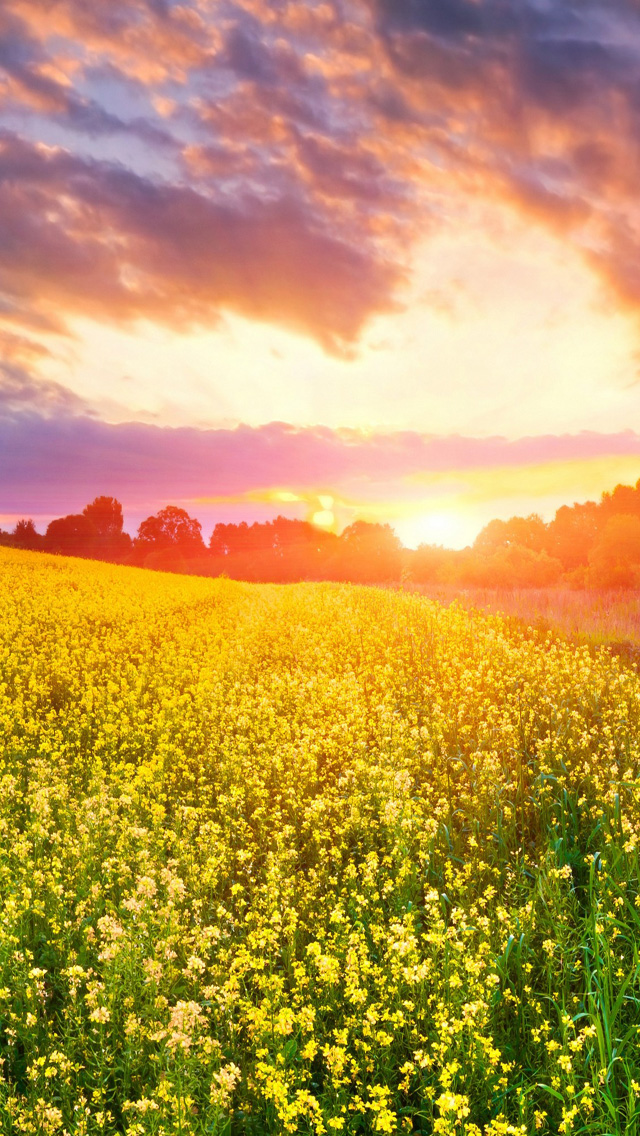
pixel 309 859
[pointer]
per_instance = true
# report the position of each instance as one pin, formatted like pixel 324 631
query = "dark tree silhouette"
pixel 591 544
pixel 73 535
pixel 282 549
pixel 110 542
pixel 105 514
pixel 233 540
pixel 25 535
pixel 171 528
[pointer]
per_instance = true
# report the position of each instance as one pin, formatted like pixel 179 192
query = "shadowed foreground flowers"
pixel 309 859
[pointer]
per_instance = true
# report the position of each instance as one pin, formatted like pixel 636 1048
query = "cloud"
pixel 449 19
pixel 20 391
pixel 55 464
pixel 543 98
pixel 145 40
pixel 88 237
pixel 301 149
pixel 39 81
pixel 268 204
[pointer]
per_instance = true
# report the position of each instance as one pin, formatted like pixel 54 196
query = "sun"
pixel 448 528
pixel 324 519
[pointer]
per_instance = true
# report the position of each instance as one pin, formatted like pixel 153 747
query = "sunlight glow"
pixel 286 497
pixel 324 519
pixel 515 315
pixel 450 529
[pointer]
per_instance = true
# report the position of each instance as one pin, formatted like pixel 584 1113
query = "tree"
pixel 572 534
pixel 105 514
pixel 287 534
pixel 25 535
pixel 526 532
pixel 614 561
pixel 228 538
pixel 237 539
pixel 73 535
pixel 511 566
pixel 171 528
pixel 431 564
pixel 369 553
pixel 624 499
pixel 282 549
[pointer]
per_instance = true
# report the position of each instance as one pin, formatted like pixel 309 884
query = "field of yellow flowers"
pixel 309 859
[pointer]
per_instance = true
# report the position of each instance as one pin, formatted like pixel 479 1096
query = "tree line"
pixel 596 545
pixel 590 545
pixel 172 540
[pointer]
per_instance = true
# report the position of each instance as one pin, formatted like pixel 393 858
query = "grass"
pixel 309 859
pixel 599 618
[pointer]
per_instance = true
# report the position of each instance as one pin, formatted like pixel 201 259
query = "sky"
pixel 372 259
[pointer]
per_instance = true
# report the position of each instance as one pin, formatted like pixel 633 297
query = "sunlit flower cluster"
pixel 309 859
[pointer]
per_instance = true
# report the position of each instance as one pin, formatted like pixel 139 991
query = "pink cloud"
pixel 53 465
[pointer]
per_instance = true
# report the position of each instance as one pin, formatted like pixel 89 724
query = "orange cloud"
pixel 294 154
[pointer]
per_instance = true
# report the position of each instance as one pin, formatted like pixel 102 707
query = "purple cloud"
pixel 54 465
